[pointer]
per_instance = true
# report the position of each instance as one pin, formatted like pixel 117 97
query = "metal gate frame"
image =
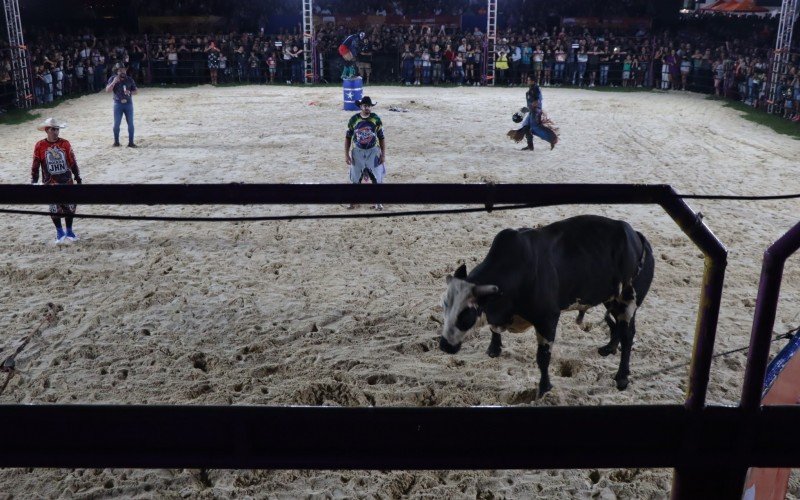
pixel 719 441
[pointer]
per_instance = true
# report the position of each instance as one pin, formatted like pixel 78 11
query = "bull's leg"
pixel 495 346
pixel 543 360
pixel 611 347
pixel 626 327
pixel 627 332
pixel 545 336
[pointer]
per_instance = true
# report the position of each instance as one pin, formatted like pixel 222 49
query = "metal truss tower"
pixel 491 41
pixel 783 45
pixel 20 69
pixel 309 43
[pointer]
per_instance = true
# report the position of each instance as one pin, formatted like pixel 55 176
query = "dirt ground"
pixel 346 312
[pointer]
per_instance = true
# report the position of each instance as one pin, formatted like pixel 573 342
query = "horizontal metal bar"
pixel 247 437
pixel 244 194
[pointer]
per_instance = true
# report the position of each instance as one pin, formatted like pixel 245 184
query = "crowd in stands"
pixel 712 54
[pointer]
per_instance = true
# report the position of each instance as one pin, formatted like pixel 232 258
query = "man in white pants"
pixel 365 147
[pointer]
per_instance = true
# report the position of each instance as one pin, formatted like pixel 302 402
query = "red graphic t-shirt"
pixel 55 160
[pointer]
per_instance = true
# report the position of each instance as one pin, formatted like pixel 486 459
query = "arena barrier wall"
pixel 719 441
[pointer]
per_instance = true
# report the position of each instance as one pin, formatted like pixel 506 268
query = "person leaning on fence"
pixel 123 88
pixel 365 147
pixel 54 158
pixel 213 61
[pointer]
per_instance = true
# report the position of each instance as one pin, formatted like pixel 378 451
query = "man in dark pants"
pixel 533 100
pixel 124 88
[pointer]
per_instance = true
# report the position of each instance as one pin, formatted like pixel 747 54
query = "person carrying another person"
pixel 54 158
pixel 365 147
pixel 349 52
pixel 536 122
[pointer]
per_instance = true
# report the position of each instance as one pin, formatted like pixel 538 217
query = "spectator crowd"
pixel 724 55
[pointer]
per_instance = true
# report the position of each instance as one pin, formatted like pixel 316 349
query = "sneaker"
pixel 61 236
pixel 116 144
pixel 132 145
pixel 527 148
pixel 377 206
pixel 71 236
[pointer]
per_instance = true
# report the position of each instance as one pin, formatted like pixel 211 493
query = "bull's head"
pixel 461 310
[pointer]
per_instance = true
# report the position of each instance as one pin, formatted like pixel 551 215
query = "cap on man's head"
pixel 365 101
pixel 51 123
pixel 119 66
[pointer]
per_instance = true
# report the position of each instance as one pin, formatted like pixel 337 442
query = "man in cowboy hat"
pixel 124 88
pixel 365 147
pixel 55 159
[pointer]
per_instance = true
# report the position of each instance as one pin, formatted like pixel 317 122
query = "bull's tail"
pixel 645 270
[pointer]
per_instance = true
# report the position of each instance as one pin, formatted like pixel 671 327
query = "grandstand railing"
pixel 387 67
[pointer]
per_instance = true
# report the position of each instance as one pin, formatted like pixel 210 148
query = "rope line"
pixel 407 213
pixel 738 197
pixel 787 335
pixel 488 207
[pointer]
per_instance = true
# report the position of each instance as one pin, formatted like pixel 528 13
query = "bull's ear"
pixel 483 290
pixel 461 272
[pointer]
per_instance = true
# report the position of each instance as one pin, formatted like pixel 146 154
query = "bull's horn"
pixel 483 290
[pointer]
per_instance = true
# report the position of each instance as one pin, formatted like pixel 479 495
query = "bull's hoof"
pixel 494 350
pixel 622 384
pixel 544 388
pixel 606 350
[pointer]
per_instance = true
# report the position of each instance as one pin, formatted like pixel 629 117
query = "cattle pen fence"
pixel 710 447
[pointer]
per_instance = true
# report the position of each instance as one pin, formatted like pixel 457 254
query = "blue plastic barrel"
pixel 353 90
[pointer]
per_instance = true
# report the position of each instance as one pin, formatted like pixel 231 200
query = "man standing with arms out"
pixel 55 159
pixel 366 154
pixel 124 88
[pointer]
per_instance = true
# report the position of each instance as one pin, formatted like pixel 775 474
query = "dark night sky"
pixel 61 11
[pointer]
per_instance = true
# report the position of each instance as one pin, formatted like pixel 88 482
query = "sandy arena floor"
pixel 347 312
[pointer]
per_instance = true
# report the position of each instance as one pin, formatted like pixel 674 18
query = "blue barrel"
pixel 353 90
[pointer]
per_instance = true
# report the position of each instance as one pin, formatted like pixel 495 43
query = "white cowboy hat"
pixel 51 123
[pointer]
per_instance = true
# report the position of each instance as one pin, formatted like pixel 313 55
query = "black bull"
pixel 531 275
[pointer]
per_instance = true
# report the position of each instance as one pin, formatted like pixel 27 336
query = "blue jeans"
pixel 537 130
pixel 604 74
pixel 559 72
pixel 581 73
pixel 127 110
